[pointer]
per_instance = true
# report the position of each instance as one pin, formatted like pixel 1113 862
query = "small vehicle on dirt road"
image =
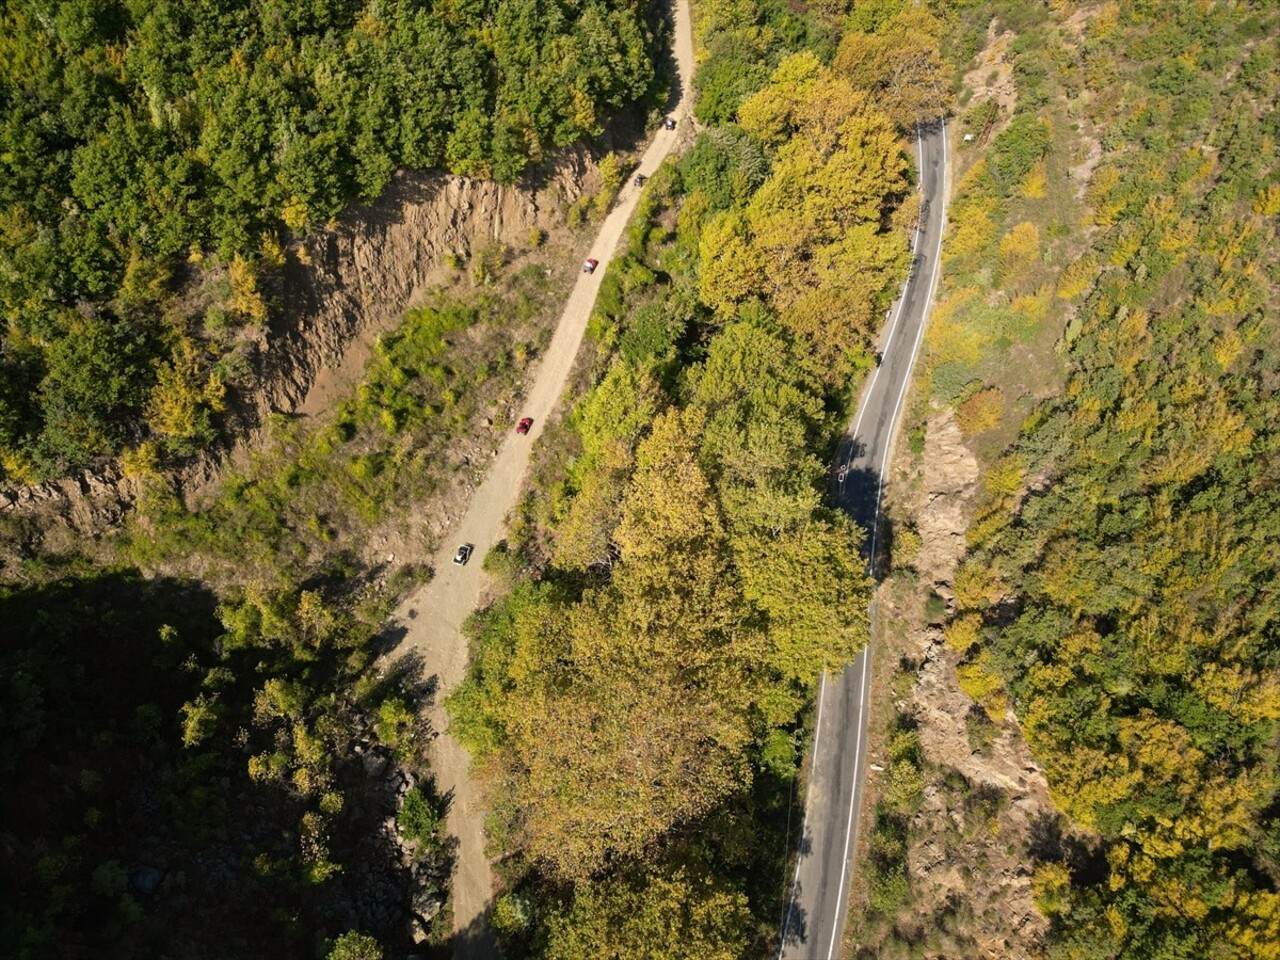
pixel 463 554
pixel 669 123
pixel 640 179
pixel 523 426
pixel 590 264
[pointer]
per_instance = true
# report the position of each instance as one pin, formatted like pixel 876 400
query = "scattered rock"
pixel 375 763
pixel 950 477
pixel 146 880
pixel 426 904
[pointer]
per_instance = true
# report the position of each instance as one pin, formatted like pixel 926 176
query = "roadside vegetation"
pixel 675 584
pixel 156 159
pixel 1117 596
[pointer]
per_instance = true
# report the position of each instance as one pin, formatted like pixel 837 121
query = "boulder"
pixel 146 880
pixel 375 763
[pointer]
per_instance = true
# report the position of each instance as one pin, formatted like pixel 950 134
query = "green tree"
pixel 673 916
pixel 354 945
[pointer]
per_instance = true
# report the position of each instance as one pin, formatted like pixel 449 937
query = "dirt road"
pixel 431 617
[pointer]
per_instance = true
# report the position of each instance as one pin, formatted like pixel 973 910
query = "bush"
pixel 355 946
pixel 980 412
pixel 418 820
pixel 890 889
pixel 1018 148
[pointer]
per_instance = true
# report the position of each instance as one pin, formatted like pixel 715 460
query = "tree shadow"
pixel 475 941
pixel 667 61
pixel 1049 842
pixel 404 674
pixel 795 928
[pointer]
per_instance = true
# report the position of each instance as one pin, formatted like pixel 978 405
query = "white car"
pixel 463 554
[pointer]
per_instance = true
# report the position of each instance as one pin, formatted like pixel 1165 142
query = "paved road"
pixel 429 619
pixel 816 914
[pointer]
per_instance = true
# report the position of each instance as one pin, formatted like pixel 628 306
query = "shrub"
pixel 890 889
pixel 980 412
pixel 355 946
pixel 963 632
pixel 1017 150
pixel 418 820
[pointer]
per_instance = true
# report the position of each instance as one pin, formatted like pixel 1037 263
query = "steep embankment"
pixel 339 289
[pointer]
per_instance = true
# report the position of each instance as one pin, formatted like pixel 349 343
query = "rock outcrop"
pixel 339 289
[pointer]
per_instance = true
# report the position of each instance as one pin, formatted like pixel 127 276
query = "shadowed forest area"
pixel 205 778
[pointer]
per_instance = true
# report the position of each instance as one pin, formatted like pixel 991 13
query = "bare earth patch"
pixel 992 78
pixel 968 859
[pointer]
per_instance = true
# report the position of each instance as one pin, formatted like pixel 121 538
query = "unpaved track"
pixel 431 617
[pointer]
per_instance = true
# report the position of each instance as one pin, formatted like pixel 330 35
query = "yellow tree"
pixel 730 269
pixel 819 221
pixel 900 66
pixel 672 916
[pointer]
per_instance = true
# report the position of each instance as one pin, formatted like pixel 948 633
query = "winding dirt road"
pixel 432 616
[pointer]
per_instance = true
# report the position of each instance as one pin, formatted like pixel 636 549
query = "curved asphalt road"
pixel 816 911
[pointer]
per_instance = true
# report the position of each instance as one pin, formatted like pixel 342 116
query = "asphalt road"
pixel 817 910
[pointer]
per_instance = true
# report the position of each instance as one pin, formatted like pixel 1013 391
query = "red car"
pixel 523 426
pixel 590 265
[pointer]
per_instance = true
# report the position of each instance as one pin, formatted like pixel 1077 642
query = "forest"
pixel 229 761
pixel 156 158
pixel 1120 591
pixel 640 692
pixel 675 584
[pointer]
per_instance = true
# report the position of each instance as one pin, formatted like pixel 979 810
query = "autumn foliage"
pixel 1125 606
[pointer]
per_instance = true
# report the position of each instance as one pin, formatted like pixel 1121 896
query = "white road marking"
pixel 836 928
pixel 928 303
pixel 902 296
pixel 804 825
pixel 915 349
pixel 848 829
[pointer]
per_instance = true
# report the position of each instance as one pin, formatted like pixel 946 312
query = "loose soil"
pixel 968 854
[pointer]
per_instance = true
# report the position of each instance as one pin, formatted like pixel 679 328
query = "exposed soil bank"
pixel 339 290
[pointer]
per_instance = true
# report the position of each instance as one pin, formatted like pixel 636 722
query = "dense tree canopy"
pixel 817 239
pixel 679 583
pixel 137 134
pixel 1128 598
